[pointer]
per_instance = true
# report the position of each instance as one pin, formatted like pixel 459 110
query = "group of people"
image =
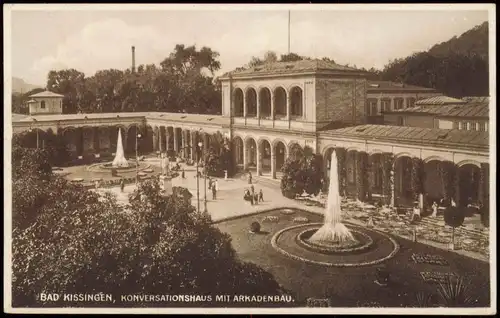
pixel 253 197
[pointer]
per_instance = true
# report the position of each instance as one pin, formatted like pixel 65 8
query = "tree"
pixel 83 243
pixel 291 57
pixel 19 101
pixel 302 171
pixel 454 217
pixel 218 158
pixel 69 83
pixel 269 57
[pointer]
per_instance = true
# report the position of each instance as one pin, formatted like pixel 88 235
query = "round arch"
pixel 264 146
pixel 280 101
pixel 434 158
pixel 468 162
pixel 251 101
pixel 296 101
pixel 238 98
pixel 265 97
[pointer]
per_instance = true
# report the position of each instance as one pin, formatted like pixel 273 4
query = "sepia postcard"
pixel 250 159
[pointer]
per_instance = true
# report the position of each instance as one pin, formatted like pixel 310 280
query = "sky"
pixel 51 38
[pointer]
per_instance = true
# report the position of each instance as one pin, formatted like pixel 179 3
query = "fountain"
pixel 119 160
pixel 333 231
pixel 333 243
pixel 119 163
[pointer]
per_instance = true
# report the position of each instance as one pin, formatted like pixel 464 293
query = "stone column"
pixel 244 105
pixel 160 140
pixel 288 105
pixel 258 105
pixel 193 145
pixel 176 140
pixel 391 178
pixel 245 155
pixel 205 143
pixel 167 139
pixel 155 140
pixel 273 162
pixel 259 160
pixel 183 143
pixel 95 135
pixel 272 105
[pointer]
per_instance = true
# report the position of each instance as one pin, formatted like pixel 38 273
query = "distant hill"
pixel 458 67
pixel 474 41
pixel 20 86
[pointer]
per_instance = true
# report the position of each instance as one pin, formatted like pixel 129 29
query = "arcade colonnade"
pixel 264 156
pixel 268 103
pixel 97 141
pixel 398 179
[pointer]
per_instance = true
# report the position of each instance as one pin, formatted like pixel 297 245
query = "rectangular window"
pixel 373 107
pixel 481 127
pixel 463 125
pixel 410 102
pixel 398 103
pixel 401 121
pixel 386 105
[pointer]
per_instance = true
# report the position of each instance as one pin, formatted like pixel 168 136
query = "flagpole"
pixel 288 31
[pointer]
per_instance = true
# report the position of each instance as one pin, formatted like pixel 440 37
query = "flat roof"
pixel 181 117
pixel 376 86
pixel 471 109
pixel 296 67
pixel 465 138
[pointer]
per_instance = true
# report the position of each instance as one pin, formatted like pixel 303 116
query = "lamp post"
pixel 205 210
pixel 198 178
pixel 37 137
pixel 137 136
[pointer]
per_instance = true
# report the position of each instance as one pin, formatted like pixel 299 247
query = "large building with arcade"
pixel 267 110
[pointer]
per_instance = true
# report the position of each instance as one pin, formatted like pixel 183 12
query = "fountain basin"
pixel 292 242
pixel 107 167
pixel 360 243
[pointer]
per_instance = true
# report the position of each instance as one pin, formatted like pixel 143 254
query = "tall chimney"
pixel 133 59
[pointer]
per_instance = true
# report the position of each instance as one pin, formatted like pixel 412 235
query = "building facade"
pixel 267 110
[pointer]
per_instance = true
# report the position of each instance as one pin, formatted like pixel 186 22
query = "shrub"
pixel 302 171
pixel 485 215
pixel 456 293
pixel 255 227
pixel 454 217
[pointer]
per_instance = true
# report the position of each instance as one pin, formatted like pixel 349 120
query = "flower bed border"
pixel 274 244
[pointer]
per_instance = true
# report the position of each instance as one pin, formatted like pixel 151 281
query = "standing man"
pixel 214 192
pixel 249 177
pixel 122 185
pixel 261 196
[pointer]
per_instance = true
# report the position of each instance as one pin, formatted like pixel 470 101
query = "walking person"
pixel 253 190
pixel 249 177
pixel 183 174
pixel 261 196
pixel 214 193
pixel 122 185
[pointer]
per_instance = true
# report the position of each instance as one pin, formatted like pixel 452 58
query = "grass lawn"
pixel 352 287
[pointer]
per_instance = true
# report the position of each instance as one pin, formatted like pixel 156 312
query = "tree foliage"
pixel 80 242
pixel 182 82
pixel 302 171
pixel 218 158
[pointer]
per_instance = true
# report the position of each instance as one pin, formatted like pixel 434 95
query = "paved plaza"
pixel 230 203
